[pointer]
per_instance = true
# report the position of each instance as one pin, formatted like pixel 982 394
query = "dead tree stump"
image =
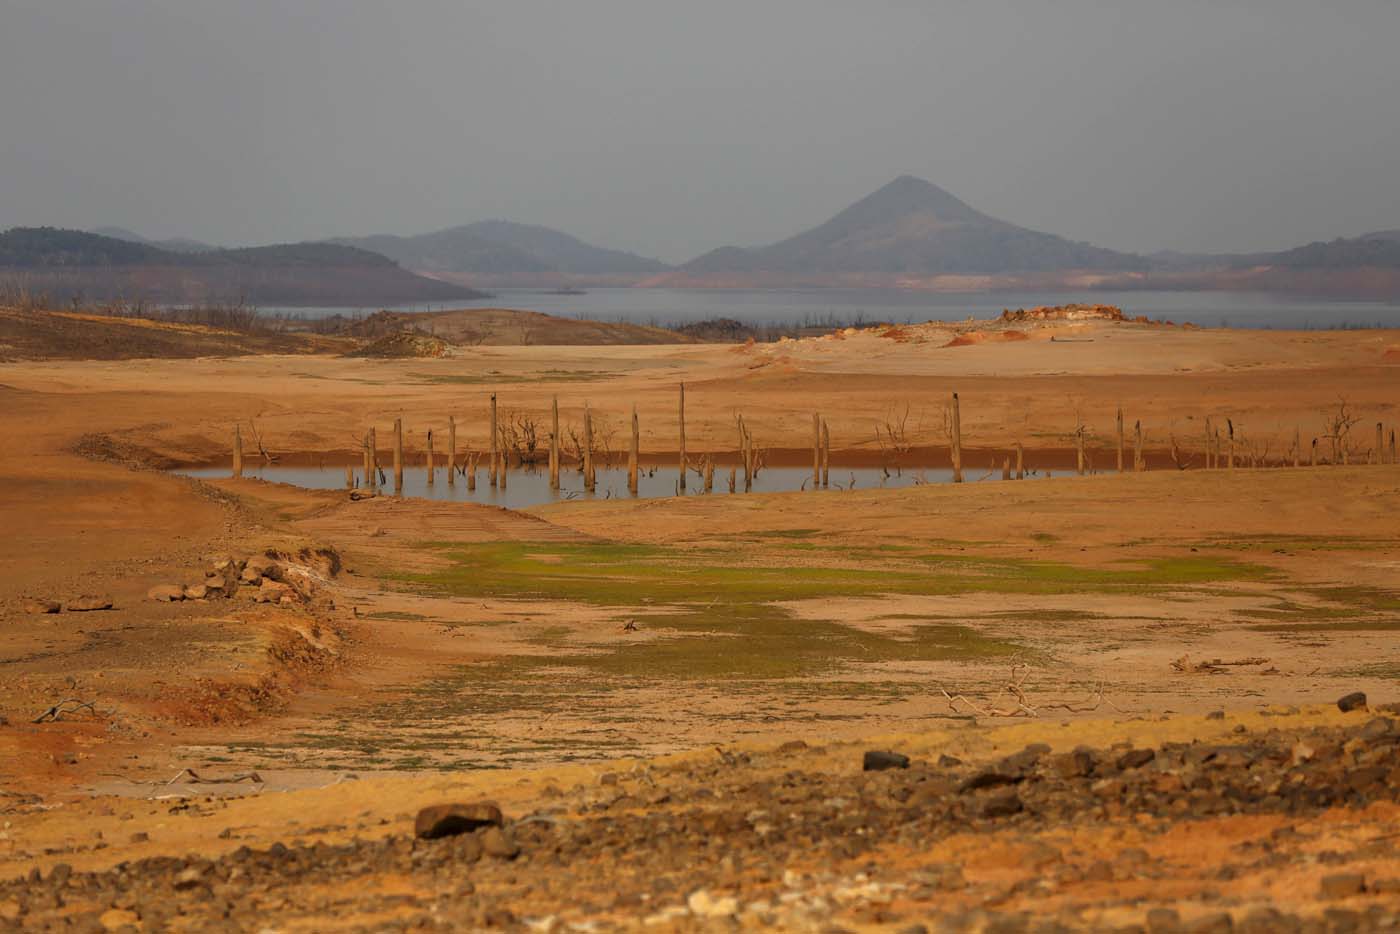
pixel 1120 439
pixel 237 452
pixel 495 450
pixel 428 459
pixel 1138 463
pixel 681 482
pixel 1020 462
pixel 956 441
pixel 634 453
pixel 588 450
pixel 826 455
pixel 451 450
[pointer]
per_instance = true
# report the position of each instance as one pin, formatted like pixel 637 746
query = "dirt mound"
pixel 63 335
pixel 403 344
pixel 1073 312
pixel 509 327
pixel 982 337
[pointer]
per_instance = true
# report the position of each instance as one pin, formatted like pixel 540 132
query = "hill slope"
pixel 505 252
pixel 174 244
pixel 909 228
pixel 67 263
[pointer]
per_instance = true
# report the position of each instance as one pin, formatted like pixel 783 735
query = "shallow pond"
pixel 526 487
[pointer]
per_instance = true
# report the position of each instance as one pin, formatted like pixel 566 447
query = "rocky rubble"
pixel 746 842
pixel 277 580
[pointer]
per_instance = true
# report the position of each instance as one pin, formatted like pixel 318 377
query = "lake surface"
pixel 529 487
pixel 850 306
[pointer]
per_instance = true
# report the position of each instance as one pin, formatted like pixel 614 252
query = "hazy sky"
pixel 671 128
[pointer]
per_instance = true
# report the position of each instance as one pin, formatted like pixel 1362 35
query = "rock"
pixel 42 606
pixel 188 878
pixel 60 874
pixel 989 778
pixel 498 843
pixel 250 576
pixel 87 603
pixel 1136 758
pixel 1163 921
pixel 1343 885
pixel 704 905
pixel 1216 715
pixel 1217 922
pixel 116 919
pixel 1002 804
pixel 446 820
pixel 946 761
pixel 1356 700
pixel 196 592
pixel 270 591
pixel 166 593
pixel 1076 764
pixel 791 746
pixel 1376 728
pixel 877 761
pixel 264 566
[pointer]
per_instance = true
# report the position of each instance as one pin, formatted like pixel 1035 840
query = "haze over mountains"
pixel 908 234
pixel 497 252
pixel 74 264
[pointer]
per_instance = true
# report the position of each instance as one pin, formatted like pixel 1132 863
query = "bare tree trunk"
pixel 349 477
pixel 1313 463
pixel 634 453
pixel 237 452
pixel 957 441
pixel 1006 468
pixel 428 460
pixel 451 450
pixel 1020 462
pixel 826 455
pixel 1297 447
pixel 373 459
pixel 1230 427
pixel 470 468
pixel 1120 439
pixel 709 473
pixel 1138 463
pixel 816 451
pixel 745 442
pixel 1079 441
pixel 491 465
pixel 732 479
pixel 588 450
pixel 681 484
pixel 364 452
pixel 398 455
pixel 554 445
pixel 1378 457
pixel 1392 447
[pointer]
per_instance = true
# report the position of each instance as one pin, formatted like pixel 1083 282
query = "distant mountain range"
pixel 501 253
pixel 72 263
pixel 913 228
pixel 908 234
pixel 913 234
pixel 174 244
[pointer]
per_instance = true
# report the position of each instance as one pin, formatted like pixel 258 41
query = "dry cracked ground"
pixel 1116 695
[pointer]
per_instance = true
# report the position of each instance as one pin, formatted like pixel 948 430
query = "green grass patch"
pixel 613 574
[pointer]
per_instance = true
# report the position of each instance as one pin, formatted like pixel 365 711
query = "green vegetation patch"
pixel 627 575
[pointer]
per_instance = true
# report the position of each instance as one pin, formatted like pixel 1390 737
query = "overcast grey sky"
pixel 672 128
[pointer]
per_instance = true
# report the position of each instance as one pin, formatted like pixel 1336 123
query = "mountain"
pixel 174 244
pixel 503 252
pixel 909 229
pixel 74 263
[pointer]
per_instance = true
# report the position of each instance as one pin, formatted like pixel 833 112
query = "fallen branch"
pixel 56 712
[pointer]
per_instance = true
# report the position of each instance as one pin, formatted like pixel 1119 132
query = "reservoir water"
pixel 849 306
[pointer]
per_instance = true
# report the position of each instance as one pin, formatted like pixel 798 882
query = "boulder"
pixel 878 761
pixel 196 592
pixel 263 566
pixel 87 603
pixel 43 606
pixel 447 820
pixel 270 591
pixel 1353 701
pixel 166 593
